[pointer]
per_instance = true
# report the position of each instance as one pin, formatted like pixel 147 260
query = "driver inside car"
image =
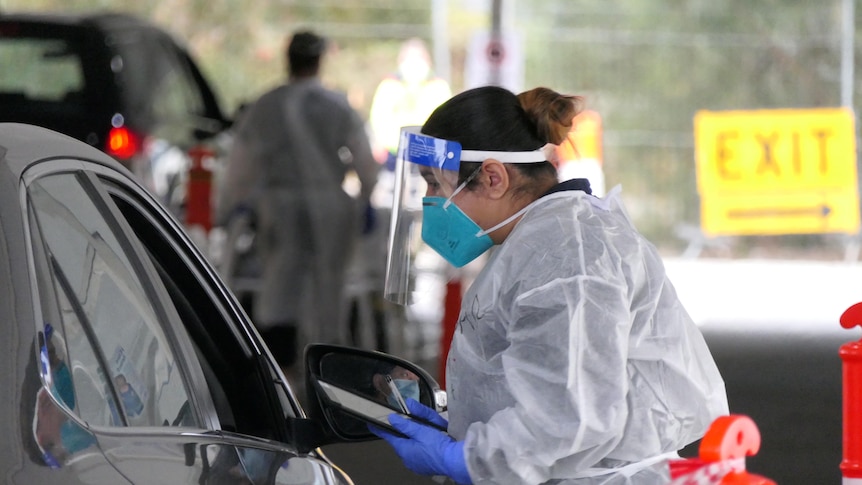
pixel 394 384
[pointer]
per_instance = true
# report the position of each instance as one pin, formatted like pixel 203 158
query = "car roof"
pixel 106 20
pixel 21 145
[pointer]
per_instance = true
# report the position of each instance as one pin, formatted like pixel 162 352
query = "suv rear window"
pixel 48 70
pixel 157 78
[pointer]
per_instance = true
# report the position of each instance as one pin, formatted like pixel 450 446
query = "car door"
pixel 145 351
pixel 252 401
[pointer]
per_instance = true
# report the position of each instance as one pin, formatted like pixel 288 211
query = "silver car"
pixel 125 359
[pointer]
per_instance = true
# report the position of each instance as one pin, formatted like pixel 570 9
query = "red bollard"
pixel 851 358
pixel 199 189
pixel 451 310
pixel 721 461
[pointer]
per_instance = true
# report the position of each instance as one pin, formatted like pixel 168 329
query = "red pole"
pixel 851 357
pixel 199 189
pixel 723 449
pixel 451 310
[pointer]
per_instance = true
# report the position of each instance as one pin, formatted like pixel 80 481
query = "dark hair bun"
pixel 551 112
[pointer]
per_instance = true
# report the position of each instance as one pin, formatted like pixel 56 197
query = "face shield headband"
pixel 426 174
pixel 446 156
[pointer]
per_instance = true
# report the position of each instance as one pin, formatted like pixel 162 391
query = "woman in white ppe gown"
pixel 573 360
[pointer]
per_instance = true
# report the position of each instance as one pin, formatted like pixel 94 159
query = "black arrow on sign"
pixel 818 211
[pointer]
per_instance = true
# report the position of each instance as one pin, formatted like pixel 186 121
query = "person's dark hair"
pixel 494 118
pixel 304 53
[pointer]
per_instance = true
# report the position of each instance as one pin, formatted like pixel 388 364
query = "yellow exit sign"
pixel 777 171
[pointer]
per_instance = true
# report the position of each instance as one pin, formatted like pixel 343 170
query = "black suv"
pixel 114 81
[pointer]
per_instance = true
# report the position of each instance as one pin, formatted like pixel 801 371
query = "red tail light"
pixel 122 143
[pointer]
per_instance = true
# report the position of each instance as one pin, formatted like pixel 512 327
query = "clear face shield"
pixel 422 162
pixel 426 180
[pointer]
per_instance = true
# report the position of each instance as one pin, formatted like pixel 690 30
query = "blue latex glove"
pixel 416 408
pixel 427 451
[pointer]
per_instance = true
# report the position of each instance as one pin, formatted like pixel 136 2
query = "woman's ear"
pixel 497 178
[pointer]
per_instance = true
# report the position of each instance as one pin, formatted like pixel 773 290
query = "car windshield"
pixel 46 69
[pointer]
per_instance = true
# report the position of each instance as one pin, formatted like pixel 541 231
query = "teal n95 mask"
pixel 426 180
pixel 451 233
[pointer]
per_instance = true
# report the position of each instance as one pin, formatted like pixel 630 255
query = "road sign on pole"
pixel 497 61
pixel 770 172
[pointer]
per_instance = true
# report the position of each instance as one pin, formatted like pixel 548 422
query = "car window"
pixel 177 96
pixel 247 392
pixel 159 78
pixel 109 330
pixel 46 69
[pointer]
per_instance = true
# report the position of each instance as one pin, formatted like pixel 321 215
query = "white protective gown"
pixel 573 354
pixel 292 151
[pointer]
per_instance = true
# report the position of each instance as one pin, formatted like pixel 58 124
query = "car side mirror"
pixel 350 388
